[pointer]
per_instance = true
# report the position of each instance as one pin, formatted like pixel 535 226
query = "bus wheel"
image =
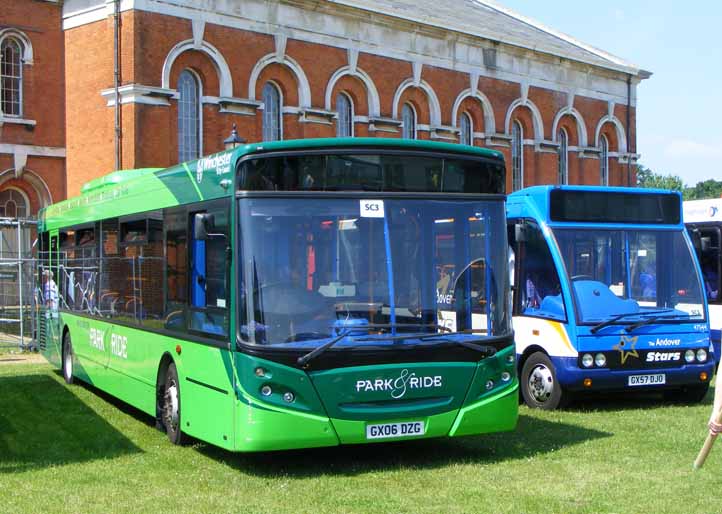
pixel 540 387
pixel 67 363
pixel 171 410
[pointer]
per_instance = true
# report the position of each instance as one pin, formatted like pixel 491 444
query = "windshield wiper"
pixel 304 359
pixel 648 321
pixel 617 317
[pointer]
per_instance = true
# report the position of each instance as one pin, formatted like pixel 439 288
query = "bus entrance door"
pixel 49 299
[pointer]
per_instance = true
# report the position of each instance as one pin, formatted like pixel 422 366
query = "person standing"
pixel 50 291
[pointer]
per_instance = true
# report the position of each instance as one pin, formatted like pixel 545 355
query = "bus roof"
pixel 596 204
pixel 127 192
pixel 703 211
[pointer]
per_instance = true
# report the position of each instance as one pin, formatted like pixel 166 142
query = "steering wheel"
pixel 582 277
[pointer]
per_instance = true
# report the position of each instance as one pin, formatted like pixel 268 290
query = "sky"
pixel 679 114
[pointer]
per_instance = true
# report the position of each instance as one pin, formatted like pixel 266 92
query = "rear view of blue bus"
pixel 607 295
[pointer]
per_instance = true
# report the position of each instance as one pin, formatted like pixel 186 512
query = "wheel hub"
pixel 541 383
pixel 170 413
pixel 68 363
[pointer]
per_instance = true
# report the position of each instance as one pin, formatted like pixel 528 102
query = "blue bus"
pixel 704 222
pixel 607 295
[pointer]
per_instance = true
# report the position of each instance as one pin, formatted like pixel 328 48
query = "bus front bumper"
pixel 574 378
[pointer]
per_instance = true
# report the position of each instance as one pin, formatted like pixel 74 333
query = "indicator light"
pixel 587 382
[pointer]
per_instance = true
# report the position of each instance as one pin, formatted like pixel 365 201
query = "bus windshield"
pixel 628 273
pixel 316 268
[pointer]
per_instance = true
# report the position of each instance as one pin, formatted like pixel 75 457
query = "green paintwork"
pixel 220 390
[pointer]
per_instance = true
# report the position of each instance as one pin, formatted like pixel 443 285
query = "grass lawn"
pixel 73 449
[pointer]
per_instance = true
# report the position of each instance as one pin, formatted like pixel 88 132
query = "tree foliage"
pixel 710 188
pixel 648 178
pixel 703 190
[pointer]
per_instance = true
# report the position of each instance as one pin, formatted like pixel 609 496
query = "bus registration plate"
pixel 385 430
pixel 645 380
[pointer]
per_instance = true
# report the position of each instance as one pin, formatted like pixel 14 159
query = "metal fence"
pixel 18 283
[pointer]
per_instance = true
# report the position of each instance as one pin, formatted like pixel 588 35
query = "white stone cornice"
pixel 11 120
pixel 334 25
pixel 32 150
pixel 138 94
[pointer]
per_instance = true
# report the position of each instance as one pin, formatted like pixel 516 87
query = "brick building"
pixel 138 83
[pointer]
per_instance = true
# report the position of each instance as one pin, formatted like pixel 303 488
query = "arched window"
pixel 189 117
pixel 11 77
pixel 344 124
pixel 13 204
pixel 408 122
pixel 465 130
pixel 272 121
pixel 563 170
pixel 517 156
pixel 604 162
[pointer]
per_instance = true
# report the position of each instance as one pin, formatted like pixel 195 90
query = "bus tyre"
pixel 539 385
pixel 171 410
pixel 68 359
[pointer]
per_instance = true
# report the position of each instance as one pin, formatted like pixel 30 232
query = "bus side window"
pixel 176 248
pixel 711 263
pixel 538 285
pixel 111 281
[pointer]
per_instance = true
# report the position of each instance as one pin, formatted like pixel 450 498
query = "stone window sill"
pixel 17 121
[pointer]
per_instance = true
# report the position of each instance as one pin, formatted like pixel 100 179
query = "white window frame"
pixel 563 167
pixel 199 113
pixel 350 113
pixel 279 92
pixel 517 147
pixel 604 160
pixel 466 116
pixel 403 121
pixel 21 52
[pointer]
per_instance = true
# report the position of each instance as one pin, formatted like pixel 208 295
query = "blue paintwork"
pixel 533 203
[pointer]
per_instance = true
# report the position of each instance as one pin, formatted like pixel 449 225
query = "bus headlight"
pixel 587 360
pixel 702 355
pixel 600 360
pixel 689 356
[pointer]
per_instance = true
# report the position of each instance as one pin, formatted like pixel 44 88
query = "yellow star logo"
pixel 627 342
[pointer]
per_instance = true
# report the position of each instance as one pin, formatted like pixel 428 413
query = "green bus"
pixel 291 294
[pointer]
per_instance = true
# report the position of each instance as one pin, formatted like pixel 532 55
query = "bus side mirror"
pixel 203 224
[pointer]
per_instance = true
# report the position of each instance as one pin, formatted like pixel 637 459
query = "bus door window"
pixel 711 262
pixel 539 283
pixel 209 300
